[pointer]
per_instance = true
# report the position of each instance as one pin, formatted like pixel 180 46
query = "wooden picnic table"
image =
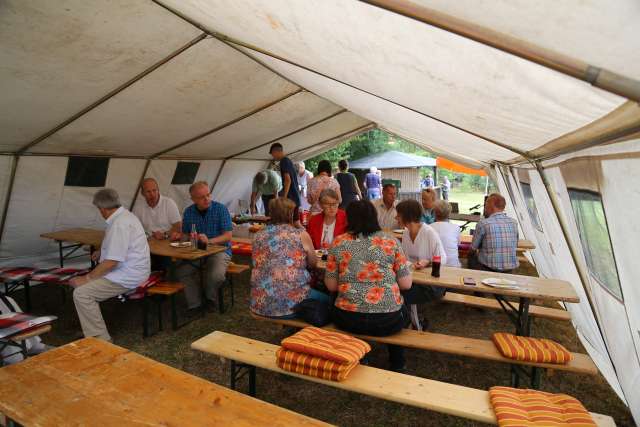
pixel 77 237
pixel 250 218
pixel 92 382
pixel 528 288
pixel 465 217
pixel 523 244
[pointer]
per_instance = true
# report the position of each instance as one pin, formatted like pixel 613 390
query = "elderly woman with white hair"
pixel 373 184
pixel 449 233
pixel 304 176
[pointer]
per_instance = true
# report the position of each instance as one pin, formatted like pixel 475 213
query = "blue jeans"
pixel 314 294
pixel 373 193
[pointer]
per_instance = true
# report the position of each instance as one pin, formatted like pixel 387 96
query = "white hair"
pixel 373 169
pixel 106 199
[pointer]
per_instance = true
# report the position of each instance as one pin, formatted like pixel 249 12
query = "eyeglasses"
pixel 330 205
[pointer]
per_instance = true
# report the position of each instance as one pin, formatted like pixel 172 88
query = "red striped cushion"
pixel 531 349
pixel 518 407
pixel 15 274
pixel 329 345
pixel 57 274
pixel 239 248
pixel 313 366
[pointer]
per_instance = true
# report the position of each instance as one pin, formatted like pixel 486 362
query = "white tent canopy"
pixel 503 85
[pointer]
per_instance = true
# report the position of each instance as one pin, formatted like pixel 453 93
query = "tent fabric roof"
pixel 152 81
pixel 392 160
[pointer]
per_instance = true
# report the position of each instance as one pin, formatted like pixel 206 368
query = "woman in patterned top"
pixel 281 255
pixel 368 269
pixel 321 181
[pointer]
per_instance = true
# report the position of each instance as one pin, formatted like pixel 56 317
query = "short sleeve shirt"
pixel 496 239
pixel 125 242
pixel 286 167
pixel 271 187
pixel 316 185
pixel 159 218
pixel 426 245
pixel 372 180
pixel 367 270
pixel 214 222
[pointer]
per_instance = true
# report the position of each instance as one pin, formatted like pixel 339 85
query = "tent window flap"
pixel 185 173
pixel 594 238
pixel 86 172
pixel 531 205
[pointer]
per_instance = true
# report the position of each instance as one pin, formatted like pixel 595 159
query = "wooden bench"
pixel 492 304
pixel 158 293
pixel 233 269
pixel 460 346
pixel 433 395
pixel 18 341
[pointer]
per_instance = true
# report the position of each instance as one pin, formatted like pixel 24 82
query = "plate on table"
pixel 500 283
pixel 180 244
pixel 398 230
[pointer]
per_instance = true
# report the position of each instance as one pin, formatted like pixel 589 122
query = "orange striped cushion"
pixel 288 356
pixel 328 345
pixel 531 349
pixel 518 407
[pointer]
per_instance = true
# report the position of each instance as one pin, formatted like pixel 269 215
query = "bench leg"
pixel 239 370
pixel 27 295
pixel 536 375
pixel 159 309
pixel 145 316
pixel 221 297
pixel 174 312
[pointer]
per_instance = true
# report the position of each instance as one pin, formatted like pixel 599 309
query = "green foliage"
pixel 378 141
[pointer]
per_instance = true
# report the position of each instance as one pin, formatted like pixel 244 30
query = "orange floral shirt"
pixel 367 270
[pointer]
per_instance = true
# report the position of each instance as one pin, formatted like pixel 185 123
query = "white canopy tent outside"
pixel 529 91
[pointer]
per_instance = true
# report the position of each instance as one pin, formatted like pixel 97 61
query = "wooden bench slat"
pixel 492 304
pixel 32 333
pixel 165 288
pixel 461 346
pixel 423 393
pixel 234 268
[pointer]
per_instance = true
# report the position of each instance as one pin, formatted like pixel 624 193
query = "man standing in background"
pixel 289 176
pixel 266 184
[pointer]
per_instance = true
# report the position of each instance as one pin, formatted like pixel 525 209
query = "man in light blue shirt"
pixel 124 264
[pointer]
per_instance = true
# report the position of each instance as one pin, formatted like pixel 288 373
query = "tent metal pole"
pixel 598 77
pixel 111 94
pixel 12 178
pixel 264 144
pixel 360 129
pixel 215 180
pixel 226 39
pixel 229 123
pixel 135 195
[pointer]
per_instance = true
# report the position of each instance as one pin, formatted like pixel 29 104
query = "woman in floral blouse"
pixel 281 255
pixel 321 181
pixel 368 269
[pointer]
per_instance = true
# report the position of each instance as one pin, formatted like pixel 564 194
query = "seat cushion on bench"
pixel 325 344
pixel 15 274
pixel 518 407
pixel 531 349
pixel 58 274
pixel 314 366
pixel 239 248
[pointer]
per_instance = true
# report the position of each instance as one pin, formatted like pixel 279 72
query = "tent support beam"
pixel 264 144
pixel 226 39
pixel 12 178
pixel 360 129
pixel 598 77
pixel 111 94
pixel 135 195
pixel 215 180
pixel 229 123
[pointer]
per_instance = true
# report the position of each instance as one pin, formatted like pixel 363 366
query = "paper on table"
pixel 500 283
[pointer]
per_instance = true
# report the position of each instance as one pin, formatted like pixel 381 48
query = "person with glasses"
pixel 213 225
pixel 323 180
pixel 330 223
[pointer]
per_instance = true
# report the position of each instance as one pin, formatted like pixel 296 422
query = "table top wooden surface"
pixel 91 382
pixel 84 236
pixel 88 236
pixel 528 286
pixel 465 217
pixel 164 248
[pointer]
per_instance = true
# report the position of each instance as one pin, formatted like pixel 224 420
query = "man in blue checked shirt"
pixel 213 224
pixel 495 238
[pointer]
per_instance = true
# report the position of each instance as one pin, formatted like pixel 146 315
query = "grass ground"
pixel 325 403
